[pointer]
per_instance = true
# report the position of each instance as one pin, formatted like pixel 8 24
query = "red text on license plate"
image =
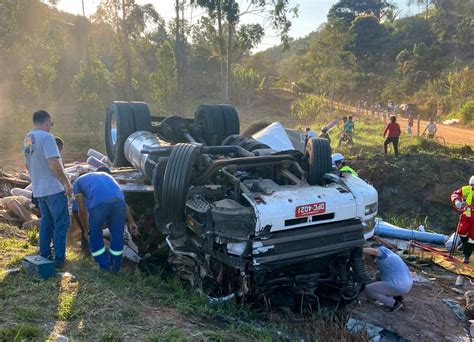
pixel 310 209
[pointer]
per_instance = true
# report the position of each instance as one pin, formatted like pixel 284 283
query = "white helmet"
pixel 471 180
pixel 337 157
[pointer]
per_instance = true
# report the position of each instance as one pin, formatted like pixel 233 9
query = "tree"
pixel 418 65
pixel 328 64
pixel 94 89
pixel 163 80
pixel 41 52
pixel 230 12
pixel 347 10
pixel 246 82
pixel 308 108
pixel 425 3
pixel 371 42
pixel 129 20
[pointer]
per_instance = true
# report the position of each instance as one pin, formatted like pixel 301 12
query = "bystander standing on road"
pixel 50 184
pixel 392 131
pixel 431 128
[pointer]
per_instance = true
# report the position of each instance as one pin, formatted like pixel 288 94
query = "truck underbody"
pixel 247 218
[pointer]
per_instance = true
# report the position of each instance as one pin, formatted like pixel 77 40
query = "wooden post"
pixel 418 125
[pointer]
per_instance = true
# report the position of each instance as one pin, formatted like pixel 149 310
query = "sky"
pixel 312 13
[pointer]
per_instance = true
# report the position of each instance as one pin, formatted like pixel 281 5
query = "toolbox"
pixel 38 266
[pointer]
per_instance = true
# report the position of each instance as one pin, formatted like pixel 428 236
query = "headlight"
pixel 368 225
pixel 371 209
pixel 236 248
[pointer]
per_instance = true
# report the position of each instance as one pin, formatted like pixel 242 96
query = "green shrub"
pixel 467 112
pixel 309 107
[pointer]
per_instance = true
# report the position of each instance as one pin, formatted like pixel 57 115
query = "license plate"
pixel 310 209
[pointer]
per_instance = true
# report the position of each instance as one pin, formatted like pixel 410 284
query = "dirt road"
pixel 448 134
pixel 451 134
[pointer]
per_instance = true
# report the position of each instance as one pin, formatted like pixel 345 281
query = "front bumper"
pixel 292 247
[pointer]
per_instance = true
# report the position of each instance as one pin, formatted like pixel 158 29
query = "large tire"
pixel 318 153
pixel 157 180
pixel 177 179
pixel 231 119
pixel 122 113
pixel 141 116
pixel 254 127
pixel 217 122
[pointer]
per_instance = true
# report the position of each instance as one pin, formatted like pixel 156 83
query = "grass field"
pixel 94 306
pixel 131 306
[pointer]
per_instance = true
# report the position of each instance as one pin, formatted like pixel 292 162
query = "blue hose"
pixel 384 229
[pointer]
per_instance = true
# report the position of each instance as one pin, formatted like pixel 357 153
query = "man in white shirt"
pixel 432 129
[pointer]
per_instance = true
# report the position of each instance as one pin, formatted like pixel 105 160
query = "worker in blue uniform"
pixel 100 201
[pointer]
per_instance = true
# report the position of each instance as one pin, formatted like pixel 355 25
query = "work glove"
pixel 459 204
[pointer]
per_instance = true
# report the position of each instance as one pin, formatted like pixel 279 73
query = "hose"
pixel 358 266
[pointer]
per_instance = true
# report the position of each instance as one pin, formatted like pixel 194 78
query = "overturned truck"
pixel 262 217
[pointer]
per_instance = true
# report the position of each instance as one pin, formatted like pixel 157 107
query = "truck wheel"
pixel 217 122
pixel 141 116
pixel 119 124
pixel 254 127
pixel 318 153
pixel 177 179
pixel 231 119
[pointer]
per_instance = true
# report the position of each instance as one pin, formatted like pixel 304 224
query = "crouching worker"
pixel 395 278
pixel 99 195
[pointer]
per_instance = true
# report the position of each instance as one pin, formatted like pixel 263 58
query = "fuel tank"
pixel 132 148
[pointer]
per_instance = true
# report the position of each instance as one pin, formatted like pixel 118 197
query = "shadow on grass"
pixel 36 308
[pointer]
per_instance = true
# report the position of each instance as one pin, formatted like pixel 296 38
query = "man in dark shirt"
pixel 393 130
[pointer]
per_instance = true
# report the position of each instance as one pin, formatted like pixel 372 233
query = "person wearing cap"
pixel 339 163
pixel 431 128
pixel 99 195
pixel 462 201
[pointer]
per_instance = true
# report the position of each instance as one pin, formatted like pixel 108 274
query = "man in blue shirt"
pixel 99 195
pixel 395 278
pixel 50 186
